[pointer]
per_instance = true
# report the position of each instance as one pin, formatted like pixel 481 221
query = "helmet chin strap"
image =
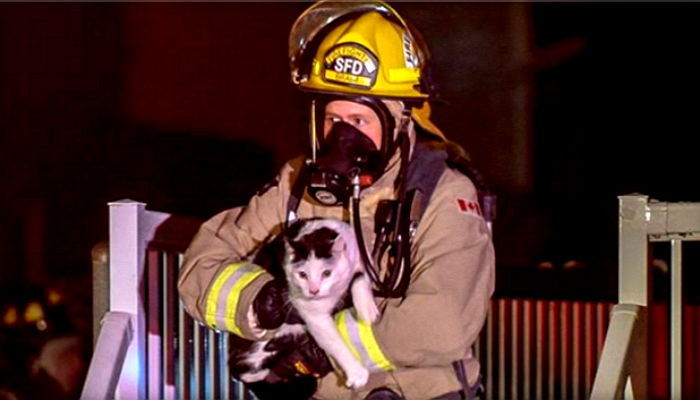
pixel 313 131
pixel 404 145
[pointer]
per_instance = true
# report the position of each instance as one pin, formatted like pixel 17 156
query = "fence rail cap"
pixel 125 202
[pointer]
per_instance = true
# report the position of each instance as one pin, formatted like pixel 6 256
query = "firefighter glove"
pixel 272 305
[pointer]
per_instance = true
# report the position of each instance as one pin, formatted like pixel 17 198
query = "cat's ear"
pixel 339 245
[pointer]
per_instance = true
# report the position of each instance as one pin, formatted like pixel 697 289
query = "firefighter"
pixel 378 162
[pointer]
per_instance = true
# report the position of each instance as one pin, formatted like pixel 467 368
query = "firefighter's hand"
pixel 272 305
pixel 301 357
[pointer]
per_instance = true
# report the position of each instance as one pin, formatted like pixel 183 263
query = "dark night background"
pixel 187 107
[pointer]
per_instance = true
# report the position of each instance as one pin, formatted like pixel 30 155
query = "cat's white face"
pixel 318 267
pixel 320 278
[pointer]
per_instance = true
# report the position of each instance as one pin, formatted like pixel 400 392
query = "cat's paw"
pixel 367 310
pixel 357 378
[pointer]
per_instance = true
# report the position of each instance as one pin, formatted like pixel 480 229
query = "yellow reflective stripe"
pixel 370 343
pixel 348 78
pixel 234 295
pixel 341 323
pixel 398 75
pixel 212 297
pixel 223 296
pixel 359 337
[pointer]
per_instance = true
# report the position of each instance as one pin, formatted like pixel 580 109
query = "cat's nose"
pixel 313 292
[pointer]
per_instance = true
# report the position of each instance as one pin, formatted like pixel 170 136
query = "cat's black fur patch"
pixel 319 241
pixel 271 255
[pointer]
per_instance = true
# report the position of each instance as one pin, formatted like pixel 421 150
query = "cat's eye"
pixel 326 273
pixel 302 275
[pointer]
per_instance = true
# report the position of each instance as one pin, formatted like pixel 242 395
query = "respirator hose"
pixel 398 275
pixel 357 225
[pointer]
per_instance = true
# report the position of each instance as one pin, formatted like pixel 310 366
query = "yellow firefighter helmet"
pixel 362 49
pixel 357 48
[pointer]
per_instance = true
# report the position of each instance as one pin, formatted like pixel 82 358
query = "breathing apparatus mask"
pixel 346 155
pixel 346 159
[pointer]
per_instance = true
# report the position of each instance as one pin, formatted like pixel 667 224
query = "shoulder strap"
pixel 424 171
pixel 427 165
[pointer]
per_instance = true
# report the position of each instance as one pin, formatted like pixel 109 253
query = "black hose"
pixel 357 225
pixel 398 274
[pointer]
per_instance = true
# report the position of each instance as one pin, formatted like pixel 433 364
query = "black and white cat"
pixel 321 262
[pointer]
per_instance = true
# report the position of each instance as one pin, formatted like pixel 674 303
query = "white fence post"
pixel 625 352
pixel 634 284
pixel 633 250
pixel 126 273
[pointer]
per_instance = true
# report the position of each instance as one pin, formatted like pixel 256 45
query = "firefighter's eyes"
pixel 354 121
pixel 358 122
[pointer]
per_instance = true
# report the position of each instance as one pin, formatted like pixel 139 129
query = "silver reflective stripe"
pixel 354 335
pixel 223 294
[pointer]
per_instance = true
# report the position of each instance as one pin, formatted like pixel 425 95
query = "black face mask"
pixel 346 152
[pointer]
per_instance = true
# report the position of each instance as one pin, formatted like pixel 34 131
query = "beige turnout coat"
pixel 417 338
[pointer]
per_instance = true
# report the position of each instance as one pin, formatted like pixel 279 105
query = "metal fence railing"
pixel 624 367
pixel 541 349
pixel 529 349
pixel 169 355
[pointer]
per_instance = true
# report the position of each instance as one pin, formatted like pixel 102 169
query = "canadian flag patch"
pixel 469 207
